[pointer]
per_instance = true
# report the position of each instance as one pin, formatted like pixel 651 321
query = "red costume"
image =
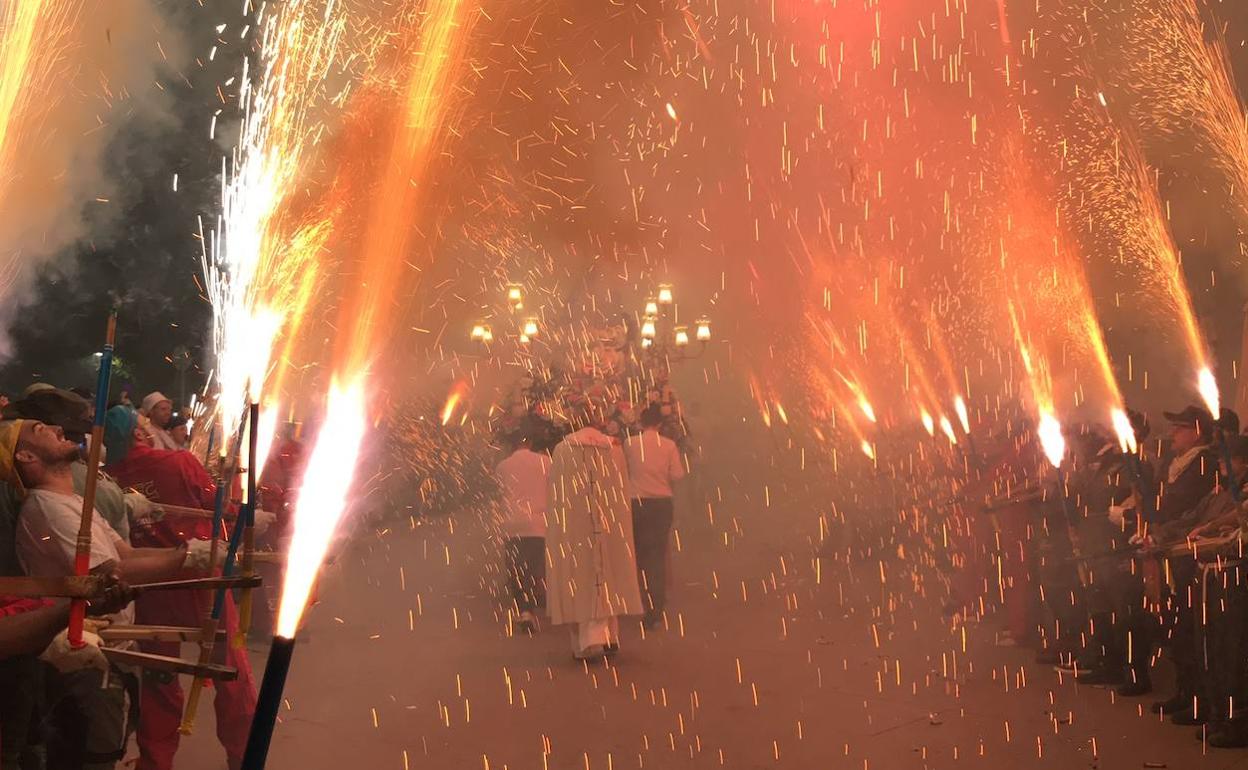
pixel 178 478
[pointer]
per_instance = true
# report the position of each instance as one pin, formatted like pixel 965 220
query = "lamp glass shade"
pixel 666 296
pixel 682 336
pixel 648 329
pixel 704 329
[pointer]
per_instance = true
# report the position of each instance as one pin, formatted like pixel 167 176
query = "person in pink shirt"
pixel 522 524
pixel 654 463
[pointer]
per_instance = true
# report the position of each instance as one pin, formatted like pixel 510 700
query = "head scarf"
pixel 10 431
pixel 119 425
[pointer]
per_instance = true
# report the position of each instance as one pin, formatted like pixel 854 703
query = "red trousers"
pixel 161 702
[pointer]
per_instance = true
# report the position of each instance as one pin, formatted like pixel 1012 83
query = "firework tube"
pixel 82 554
pixel 1224 447
pixel 248 527
pixel 268 703
pixel 212 620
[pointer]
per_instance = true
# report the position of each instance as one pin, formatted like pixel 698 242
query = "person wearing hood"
pixel 177 478
pixel 591 571
pixel 158 408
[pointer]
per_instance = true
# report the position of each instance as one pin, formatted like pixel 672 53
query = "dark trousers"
pixel 652 523
pixel 526 571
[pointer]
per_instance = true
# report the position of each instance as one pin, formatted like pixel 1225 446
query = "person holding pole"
pixel 36 460
pixel 176 478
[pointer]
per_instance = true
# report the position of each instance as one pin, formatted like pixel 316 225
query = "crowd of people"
pixel 586 526
pixel 1116 560
pixel 76 707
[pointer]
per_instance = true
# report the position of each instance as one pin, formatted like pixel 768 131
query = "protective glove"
pixel 199 554
pixel 67 660
pixel 142 512
pixel 264 520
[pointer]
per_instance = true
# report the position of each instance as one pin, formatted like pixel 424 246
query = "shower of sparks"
pixel 434 61
pixel 1184 88
pixel 322 499
pixel 33 35
pixel 261 263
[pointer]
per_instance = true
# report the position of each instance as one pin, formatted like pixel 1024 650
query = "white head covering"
pixel 151 400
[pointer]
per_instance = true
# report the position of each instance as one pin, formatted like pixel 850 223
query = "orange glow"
pixel 1051 440
pixel 322 499
pixel 1208 388
pixel 1124 431
pixel 444 29
pixel 959 406
pixel 452 401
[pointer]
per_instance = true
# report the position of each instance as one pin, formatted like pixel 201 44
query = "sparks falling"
pixel 322 499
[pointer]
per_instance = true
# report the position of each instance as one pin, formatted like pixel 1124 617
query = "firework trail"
pixel 263 264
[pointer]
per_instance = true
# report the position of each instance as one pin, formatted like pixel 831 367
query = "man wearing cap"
pixel 177 478
pixel 36 461
pixel 1188 470
pixel 1188 475
pixel 159 409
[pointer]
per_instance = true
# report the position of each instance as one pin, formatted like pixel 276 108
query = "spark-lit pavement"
pixel 408 664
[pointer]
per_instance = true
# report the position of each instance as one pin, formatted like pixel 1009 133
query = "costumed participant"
pixel 654 464
pixel 1188 474
pixel 592 576
pixel 522 524
pixel 158 408
pixel 177 478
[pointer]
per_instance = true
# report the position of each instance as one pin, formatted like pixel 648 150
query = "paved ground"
pixel 773 659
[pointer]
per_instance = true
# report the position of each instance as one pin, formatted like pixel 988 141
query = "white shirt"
pixel 525 494
pixel 653 464
pixel 47 538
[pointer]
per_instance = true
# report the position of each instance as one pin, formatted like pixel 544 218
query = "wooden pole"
pixel 249 527
pixel 82 554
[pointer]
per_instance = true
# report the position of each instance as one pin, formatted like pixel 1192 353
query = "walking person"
pixel 654 464
pixel 523 477
pixel 592 576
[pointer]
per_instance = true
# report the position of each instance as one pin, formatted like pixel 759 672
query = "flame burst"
pixel 260 267
pixel 33 35
pixel 322 499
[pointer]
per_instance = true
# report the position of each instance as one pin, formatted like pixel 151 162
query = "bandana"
pixel 119 425
pixel 10 431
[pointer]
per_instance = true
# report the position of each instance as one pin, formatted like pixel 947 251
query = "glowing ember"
pixel 959 406
pixel 1208 387
pixel 866 408
pixel 868 449
pixel 928 424
pixel 946 427
pixel 1124 430
pixel 452 401
pixel 1051 440
pixel 322 499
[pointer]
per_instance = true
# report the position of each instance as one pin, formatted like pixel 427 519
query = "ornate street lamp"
pixel 703 329
pixel 652 306
pixel 666 296
pixel 682 336
pixel 648 329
